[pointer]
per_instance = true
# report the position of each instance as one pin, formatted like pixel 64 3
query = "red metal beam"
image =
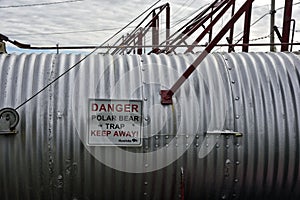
pixel 154 26
pixel 140 42
pixel 168 16
pixel 198 24
pixel 247 25
pixel 286 24
pixel 166 95
pixel 209 27
pixel 230 48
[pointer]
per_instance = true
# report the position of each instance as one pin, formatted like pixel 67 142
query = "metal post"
pixel 140 42
pixel 210 32
pixel 247 24
pixel 167 26
pixel 286 24
pixel 154 30
pixel 231 48
pixel 272 23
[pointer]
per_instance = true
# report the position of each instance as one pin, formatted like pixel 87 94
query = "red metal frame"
pixel 210 26
pixel 166 96
pixel 136 36
pixel 199 23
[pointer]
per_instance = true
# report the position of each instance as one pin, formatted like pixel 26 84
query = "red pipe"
pixel 286 24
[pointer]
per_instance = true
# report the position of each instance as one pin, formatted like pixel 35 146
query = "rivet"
pixel 59 114
pixel 224 196
pixel 197 145
pixel 146 119
pixel 156 137
pixel 145 193
pixel 217 145
pixel 187 145
pixel 142 60
pixel 167 137
pixel 187 136
pixel 237 116
pixel 227 146
pixel 236 180
pixel 229 68
pixel 59 177
pixel 237 162
pixel 146 183
pixel 233 82
pixel 237 144
pixel 197 136
pixel 234 195
pixel 237 98
pixel 176 136
pixel 227 161
pixel 176 145
pixel 146 165
pixel 206 145
pixel 167 145
pixel 143 69
pixel 146 147
pixel 156 145
pixel 145 99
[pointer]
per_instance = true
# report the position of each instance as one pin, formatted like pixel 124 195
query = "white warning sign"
pixel 114 122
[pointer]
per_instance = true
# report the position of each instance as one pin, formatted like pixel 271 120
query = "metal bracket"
pixel 166 97
pixel 225 132
pixel 9 119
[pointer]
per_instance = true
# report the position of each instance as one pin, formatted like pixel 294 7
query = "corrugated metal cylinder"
pixel 256 94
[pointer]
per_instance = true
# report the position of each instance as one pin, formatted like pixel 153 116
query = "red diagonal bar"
pixel 166 96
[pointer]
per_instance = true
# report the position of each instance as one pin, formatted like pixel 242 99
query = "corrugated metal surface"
pixel 257 94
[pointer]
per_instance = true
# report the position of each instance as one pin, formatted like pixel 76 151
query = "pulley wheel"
pixel 11 115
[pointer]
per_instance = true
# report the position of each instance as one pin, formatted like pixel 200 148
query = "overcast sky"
pixel 91 22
